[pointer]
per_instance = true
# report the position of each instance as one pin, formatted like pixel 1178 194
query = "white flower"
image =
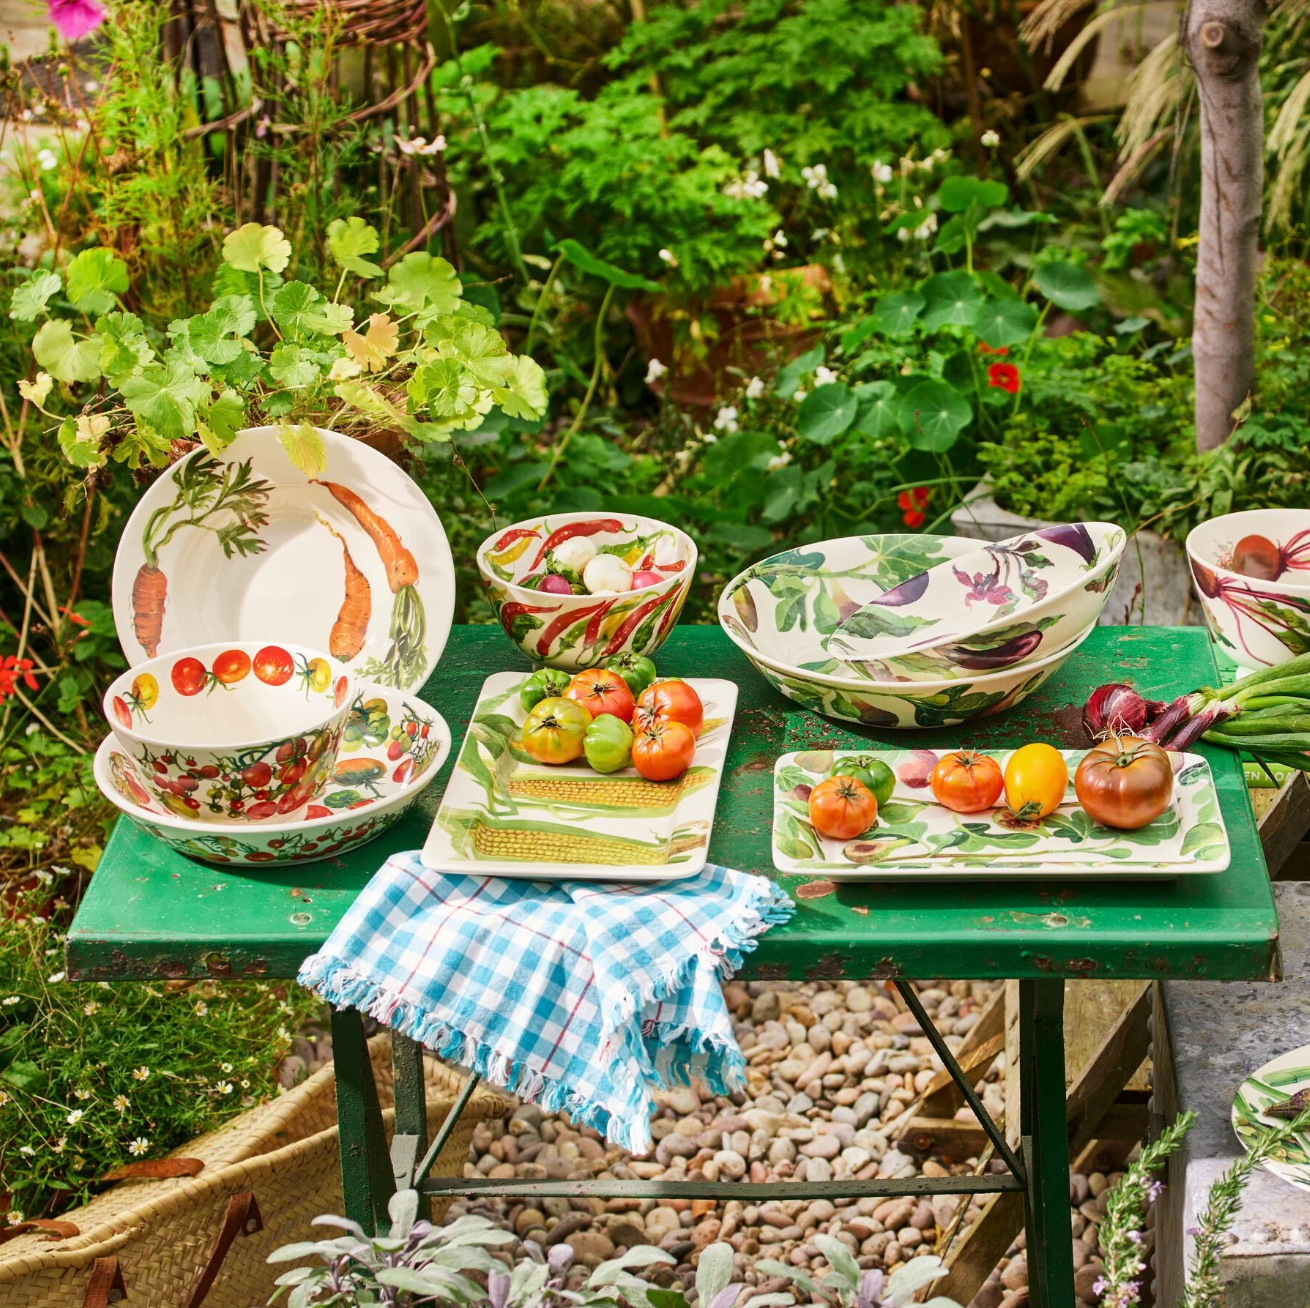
pixel 225 1067
pixel 654 371
pixel 141 1073
pixel 902 234
pixel 47 159
pixel 121 1102
pixel 926 228
pixel 74 1117
pixel 780 237
pixel 754 388
pixel 283 1033
pixel 709 438
pixel 344 368
pixel 727 418
pixel 749 187
pixel 91 1008
pixel 815 175
pixel 799 396
pixel 82 125
pixel 669 258
pixel 138 1146
pixel 824 376
pixel 882 173
pixel 15 1216
pixel 55 978
pixel 779 461
pixel 224 1087
pixel 59 1144
pixel 202 1008
pixel 417 145
pixel 82 1093
pixel 13 999
pixel 4 1098
pixel 772 165
pixel 26 1149
pixel 991 139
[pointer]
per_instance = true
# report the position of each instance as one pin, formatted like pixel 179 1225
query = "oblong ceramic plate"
pixel 242 545
pixel 1278 1079
pixel 391 750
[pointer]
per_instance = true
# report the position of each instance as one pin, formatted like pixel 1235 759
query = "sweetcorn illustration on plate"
pixel 505 814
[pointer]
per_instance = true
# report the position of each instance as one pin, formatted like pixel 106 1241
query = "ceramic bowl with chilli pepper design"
pixel 533 574
pixel 238 732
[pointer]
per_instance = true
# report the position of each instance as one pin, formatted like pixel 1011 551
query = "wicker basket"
pixel 364 22
pixel 161 1232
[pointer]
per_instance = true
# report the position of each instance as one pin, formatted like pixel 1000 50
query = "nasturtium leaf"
pixel 953 298
pixel 164 397
pixel 421 279
pixel 445 387
pixel 349 239
pixel 1067 286
pixel 481 349
pixel 64 357
pixel 958 193
pixel 294 366
pixel 855 336
pixel 221 421
pixel 79 439
pixel 255 247
pixel 304 447
pixel 96 278
pixel 1005 322
pixel 879 411
pixel 29 299
pixel 37 390
pixel 932 416
pixel 895 314
pixel 826 412
pixel 525 394
pixel 584 261
pixel 790 374
pixel 124 349
pixel 375 346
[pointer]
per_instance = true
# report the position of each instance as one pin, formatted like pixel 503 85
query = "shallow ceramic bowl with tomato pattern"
pixel 391 751
pixel 779 611
pixel 582 630
pixel 238 732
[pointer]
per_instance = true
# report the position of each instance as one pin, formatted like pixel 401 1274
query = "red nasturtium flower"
pixel 12 671
pixel 1000 351
pixel 912 504
pixel 1005 376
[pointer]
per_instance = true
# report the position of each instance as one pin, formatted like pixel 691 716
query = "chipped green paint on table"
pixel 151 913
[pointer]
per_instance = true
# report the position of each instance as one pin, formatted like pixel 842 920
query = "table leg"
pixel 411 1138
pixel 1045 1143
pixel 366 1181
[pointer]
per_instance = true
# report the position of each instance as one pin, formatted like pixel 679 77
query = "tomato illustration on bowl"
pixel 231 666
pixel 121 711
pixel 188 676
pixel 274 666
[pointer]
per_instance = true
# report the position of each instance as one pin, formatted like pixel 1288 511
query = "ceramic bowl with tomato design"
pixel 532 578
pixel 392 749
pixel 239 732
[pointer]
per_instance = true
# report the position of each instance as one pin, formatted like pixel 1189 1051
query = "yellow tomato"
pixel 145 691
pixel 318 673
pixel 1036 779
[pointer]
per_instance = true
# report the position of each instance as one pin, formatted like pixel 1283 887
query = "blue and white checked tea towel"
pixel 580 996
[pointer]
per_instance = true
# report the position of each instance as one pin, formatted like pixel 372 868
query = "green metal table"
pixel 149 913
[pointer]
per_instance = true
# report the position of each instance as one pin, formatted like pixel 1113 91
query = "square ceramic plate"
pixel 917 839
pixel 506 815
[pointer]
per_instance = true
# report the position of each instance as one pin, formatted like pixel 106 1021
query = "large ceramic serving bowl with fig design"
pixel 778 613
pixel 570 627
pixel 1252 573
pixel 238 732
pixel 1001 605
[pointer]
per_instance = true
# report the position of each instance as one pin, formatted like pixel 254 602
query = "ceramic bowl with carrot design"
pixel 536 574
pixel 238 732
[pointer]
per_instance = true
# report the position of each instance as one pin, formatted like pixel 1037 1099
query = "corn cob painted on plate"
pixel 506 814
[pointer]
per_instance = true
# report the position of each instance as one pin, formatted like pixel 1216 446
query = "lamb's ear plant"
pixel 848 1285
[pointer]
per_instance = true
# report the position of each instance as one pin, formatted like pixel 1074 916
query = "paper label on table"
pixel 505 814
pixel 917 839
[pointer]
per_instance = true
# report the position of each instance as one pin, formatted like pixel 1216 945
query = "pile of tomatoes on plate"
pixel 612 717
pixel 1123 782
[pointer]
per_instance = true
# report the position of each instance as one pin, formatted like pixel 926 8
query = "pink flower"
pixel 983 586
pixel 74 19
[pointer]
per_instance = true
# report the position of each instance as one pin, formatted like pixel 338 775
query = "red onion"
pixel 1117 710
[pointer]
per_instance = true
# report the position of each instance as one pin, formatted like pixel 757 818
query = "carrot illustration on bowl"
pixel 225 498
pixel 403 663
pixel 350 630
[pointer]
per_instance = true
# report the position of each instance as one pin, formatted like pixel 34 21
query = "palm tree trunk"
pixel 1222 40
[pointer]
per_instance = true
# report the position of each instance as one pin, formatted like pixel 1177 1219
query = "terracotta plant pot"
pixel 746 336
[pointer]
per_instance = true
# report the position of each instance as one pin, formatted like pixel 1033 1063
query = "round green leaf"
pixel 880 406
pixel 1005 322
pixel 826 412
pixel 1066 286
pixel 958 193
pixel 65 357
pixel 932 415
pixel 952 298
pixel 895 314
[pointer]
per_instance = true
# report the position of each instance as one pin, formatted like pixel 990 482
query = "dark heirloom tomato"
pixel 1124 782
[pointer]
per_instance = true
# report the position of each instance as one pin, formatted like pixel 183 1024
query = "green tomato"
pixel 608 743
pixel 635 669
pixel 545 683
pixel 872 772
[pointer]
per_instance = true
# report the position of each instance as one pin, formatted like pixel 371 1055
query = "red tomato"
pixel 231 665
pixel 274 666
pixel 967 782
pixel 401 774
pixel 663 750
pixel 265 808
pixel 600 691
pixel 188 676
pixel 842 807
pixel 121 713
pixel 339 691
pixel 257 775
pixel 317 811
pixel 673 701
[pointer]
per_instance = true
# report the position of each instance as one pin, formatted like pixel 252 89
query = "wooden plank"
pixel 941 1096
pixel 1284 821
pixel 958 1138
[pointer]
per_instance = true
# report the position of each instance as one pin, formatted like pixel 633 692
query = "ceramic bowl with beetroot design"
pixel 238 732
pixel 533 574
